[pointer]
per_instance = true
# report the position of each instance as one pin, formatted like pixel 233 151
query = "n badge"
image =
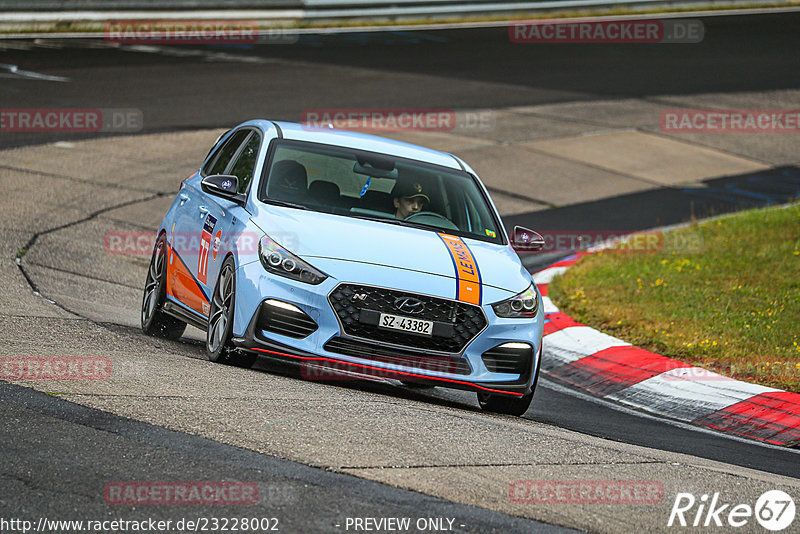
pixel 205 246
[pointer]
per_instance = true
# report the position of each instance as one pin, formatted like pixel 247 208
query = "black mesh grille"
pixel 290 323
pixel 508 360
pixel 455 323
pixel 378 353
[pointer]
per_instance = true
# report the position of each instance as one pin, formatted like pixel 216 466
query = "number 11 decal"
pixel 205 246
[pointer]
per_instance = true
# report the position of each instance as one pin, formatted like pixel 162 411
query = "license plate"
pixel 406 324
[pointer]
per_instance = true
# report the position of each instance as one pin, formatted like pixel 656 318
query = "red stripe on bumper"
pixel 381 369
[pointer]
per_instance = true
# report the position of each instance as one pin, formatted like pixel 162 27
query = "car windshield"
pixel 387 188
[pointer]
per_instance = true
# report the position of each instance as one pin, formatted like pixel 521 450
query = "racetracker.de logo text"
pixel 555 31
pixel 181 493
pixel 586 492
pixel 443 120
pixel 730 121
pixel 55 368
pixel 71 120
pixel 190 32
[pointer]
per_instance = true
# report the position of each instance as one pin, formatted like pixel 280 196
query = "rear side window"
pixel 246 162
pixel 219 161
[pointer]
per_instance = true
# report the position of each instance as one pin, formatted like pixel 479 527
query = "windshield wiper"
pixel 371 218
pixel 285 203
pixel 398 222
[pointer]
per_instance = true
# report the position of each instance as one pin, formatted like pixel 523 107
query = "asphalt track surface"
pixel 186 92
pixel 302 498
pixel 178 90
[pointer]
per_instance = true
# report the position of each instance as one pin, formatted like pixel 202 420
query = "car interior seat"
pixel 324 193
pixel 288 181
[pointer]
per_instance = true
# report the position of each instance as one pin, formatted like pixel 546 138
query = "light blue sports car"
pixel 352 255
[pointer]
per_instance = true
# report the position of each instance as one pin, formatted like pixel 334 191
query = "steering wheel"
pixel 439 219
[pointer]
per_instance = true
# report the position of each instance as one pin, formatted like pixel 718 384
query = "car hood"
pixel 310 235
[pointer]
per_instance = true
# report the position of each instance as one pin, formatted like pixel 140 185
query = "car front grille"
pixel 406 358
pixel 358 307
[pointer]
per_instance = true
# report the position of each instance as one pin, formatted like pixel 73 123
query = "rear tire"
pixel 156 322
pixel 220 321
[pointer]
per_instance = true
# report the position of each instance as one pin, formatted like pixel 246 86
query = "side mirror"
pixel 526 240
pixel 224 186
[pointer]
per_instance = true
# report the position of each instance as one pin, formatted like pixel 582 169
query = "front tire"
pixel 504 404
pixel 510 405
pixel 220 321
pixel 155 322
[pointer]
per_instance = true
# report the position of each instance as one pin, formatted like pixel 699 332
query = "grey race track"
pixel 173 416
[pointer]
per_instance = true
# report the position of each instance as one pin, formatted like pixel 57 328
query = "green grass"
pixel 722 294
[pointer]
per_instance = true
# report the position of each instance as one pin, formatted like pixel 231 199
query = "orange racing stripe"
pixel 468 278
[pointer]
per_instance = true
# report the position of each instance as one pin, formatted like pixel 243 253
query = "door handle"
pixel 184 197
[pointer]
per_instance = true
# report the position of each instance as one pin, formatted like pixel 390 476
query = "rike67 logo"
pixel 774 510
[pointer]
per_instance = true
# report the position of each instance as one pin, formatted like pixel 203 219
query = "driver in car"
pixel 409 198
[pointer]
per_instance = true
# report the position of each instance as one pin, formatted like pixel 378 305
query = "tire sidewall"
pixel 161 286
pixel 221 354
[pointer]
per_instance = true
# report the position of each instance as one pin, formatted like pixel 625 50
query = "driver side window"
pixel 219 161
pixel 246 162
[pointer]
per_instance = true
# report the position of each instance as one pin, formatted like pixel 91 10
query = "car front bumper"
pixel 312 336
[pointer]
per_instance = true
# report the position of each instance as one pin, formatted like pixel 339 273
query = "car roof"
pixel 361 141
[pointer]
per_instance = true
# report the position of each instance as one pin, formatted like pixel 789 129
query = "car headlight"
pixel 280 261
pixel 526 304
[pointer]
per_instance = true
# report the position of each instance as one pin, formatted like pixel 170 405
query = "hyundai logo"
pixel 409 305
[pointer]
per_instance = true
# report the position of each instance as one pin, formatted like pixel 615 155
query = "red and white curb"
pixel 609 368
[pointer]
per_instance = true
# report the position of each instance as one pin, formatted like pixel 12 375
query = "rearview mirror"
pixel 526 240
pixel 376 167
pixel 225 186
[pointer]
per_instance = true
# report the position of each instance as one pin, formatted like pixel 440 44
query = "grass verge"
pixel 729 302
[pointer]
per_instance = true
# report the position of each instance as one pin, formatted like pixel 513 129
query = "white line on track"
pixel 17 72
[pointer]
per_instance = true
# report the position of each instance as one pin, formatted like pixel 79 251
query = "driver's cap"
pixel 409 190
